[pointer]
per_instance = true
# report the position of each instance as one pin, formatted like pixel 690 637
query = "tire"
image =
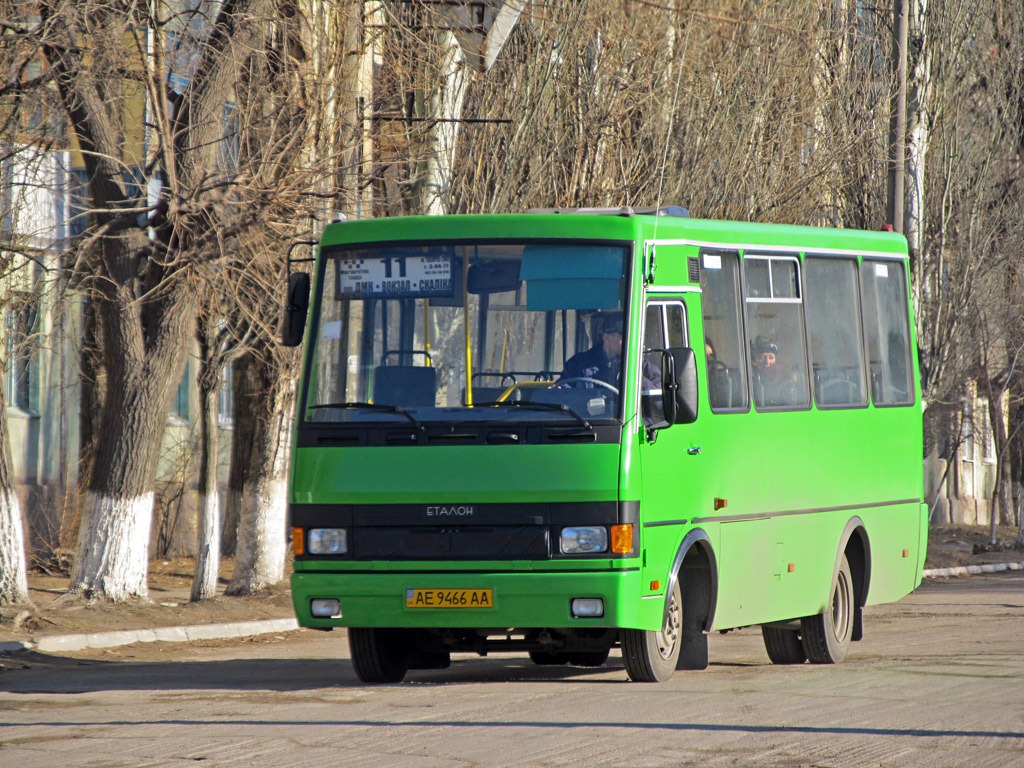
pixel 549 658
pixel 588 658
pixel 650 657
pixel 783 645
pixel 379 655
pixel 827 636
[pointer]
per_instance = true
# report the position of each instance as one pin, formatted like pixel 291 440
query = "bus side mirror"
pixel 679 385
pixel 296 305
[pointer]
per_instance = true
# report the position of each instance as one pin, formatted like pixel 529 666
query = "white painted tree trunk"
pixel 261 536
pixel 13 578
pixel 113 551
pixel 918 134
pixel 262 540
pixel 204 582
pixel 445 104
pixel 13 567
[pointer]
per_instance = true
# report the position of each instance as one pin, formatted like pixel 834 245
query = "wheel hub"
pixel 669 635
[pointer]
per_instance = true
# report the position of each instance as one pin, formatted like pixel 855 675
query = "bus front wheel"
pixel 650 657
pixel 827 636
pixel 379 655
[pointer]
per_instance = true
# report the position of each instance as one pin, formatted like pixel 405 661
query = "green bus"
pixel 567 431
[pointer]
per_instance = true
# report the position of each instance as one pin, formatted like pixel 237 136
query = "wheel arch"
pixel 856 546
pixel 696 569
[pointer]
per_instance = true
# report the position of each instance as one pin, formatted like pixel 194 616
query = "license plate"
pixel 449 598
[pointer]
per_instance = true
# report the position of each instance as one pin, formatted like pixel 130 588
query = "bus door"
pixel 734 451
pixel 669 456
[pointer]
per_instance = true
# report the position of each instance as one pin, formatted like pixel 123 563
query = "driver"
pixel 603 361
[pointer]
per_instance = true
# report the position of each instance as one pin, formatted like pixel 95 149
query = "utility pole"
pixel 898 118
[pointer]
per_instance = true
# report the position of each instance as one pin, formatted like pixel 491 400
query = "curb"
pixel 967 570
pixel 58 643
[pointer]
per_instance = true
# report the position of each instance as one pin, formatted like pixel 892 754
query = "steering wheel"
pixel 586 380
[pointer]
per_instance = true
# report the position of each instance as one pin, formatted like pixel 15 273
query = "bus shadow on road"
pixel 40 674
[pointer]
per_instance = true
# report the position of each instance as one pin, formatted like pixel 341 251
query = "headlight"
pixel 327 541
pixel 584 539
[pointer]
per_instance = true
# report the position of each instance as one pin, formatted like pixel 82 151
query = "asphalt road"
pixel 937 681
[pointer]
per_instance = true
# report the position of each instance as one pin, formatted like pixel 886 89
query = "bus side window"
pixel 775 331
pixel 834 331
pixel 675 325
pixel 886 331
pixel 652 407
pixel 723 331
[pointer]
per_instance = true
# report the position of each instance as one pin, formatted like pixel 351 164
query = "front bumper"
pixel 521 599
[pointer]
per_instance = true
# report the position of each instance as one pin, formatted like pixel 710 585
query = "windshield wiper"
pixel 374 407
pixel 540 406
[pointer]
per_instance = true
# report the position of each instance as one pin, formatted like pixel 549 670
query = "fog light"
pixel 325 607
pixel 327 541
pixel 587 607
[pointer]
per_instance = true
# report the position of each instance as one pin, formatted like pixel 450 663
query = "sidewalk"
pixel 55 624
pixel 68 643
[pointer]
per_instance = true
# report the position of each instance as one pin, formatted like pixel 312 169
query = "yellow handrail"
pixel 465 320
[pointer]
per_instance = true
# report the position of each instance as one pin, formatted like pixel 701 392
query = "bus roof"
pixel 664 229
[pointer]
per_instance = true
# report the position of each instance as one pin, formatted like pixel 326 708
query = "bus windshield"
pixel 454 332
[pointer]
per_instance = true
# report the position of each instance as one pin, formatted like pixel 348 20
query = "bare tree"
pixel 13 569
pixel 142 253
pixel 217 349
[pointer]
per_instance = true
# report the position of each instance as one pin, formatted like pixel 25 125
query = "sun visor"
pixel 572 277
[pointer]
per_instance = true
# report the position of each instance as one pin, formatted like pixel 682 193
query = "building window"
pixel 226 396
pixel 988 438
pixel 967 431
pixel 20 342
pixel 179 407
pixel 78 184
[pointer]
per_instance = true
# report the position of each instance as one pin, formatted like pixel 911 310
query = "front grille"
pixel 500 542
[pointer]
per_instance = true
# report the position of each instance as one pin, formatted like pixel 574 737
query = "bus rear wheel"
pixel 379 655
pixel 827 636
pixel 783 645
pixel 650 657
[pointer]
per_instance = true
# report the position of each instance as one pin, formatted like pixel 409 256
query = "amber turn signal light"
pixel 298 541
pixel 622 539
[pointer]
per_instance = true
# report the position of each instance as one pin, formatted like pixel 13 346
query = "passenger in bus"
pixel 774 384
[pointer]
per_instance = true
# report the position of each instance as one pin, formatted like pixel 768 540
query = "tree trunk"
pixel 262 541
pixel 919 133
pixel 113 550
pixel 204 582
pixel 1019 503
pixel 898 117
pixel 434 169
pixel 244 394
pixel 93 386
pixel 13 567
pixel 999 504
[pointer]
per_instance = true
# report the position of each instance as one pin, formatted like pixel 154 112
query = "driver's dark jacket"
pixel 593 364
